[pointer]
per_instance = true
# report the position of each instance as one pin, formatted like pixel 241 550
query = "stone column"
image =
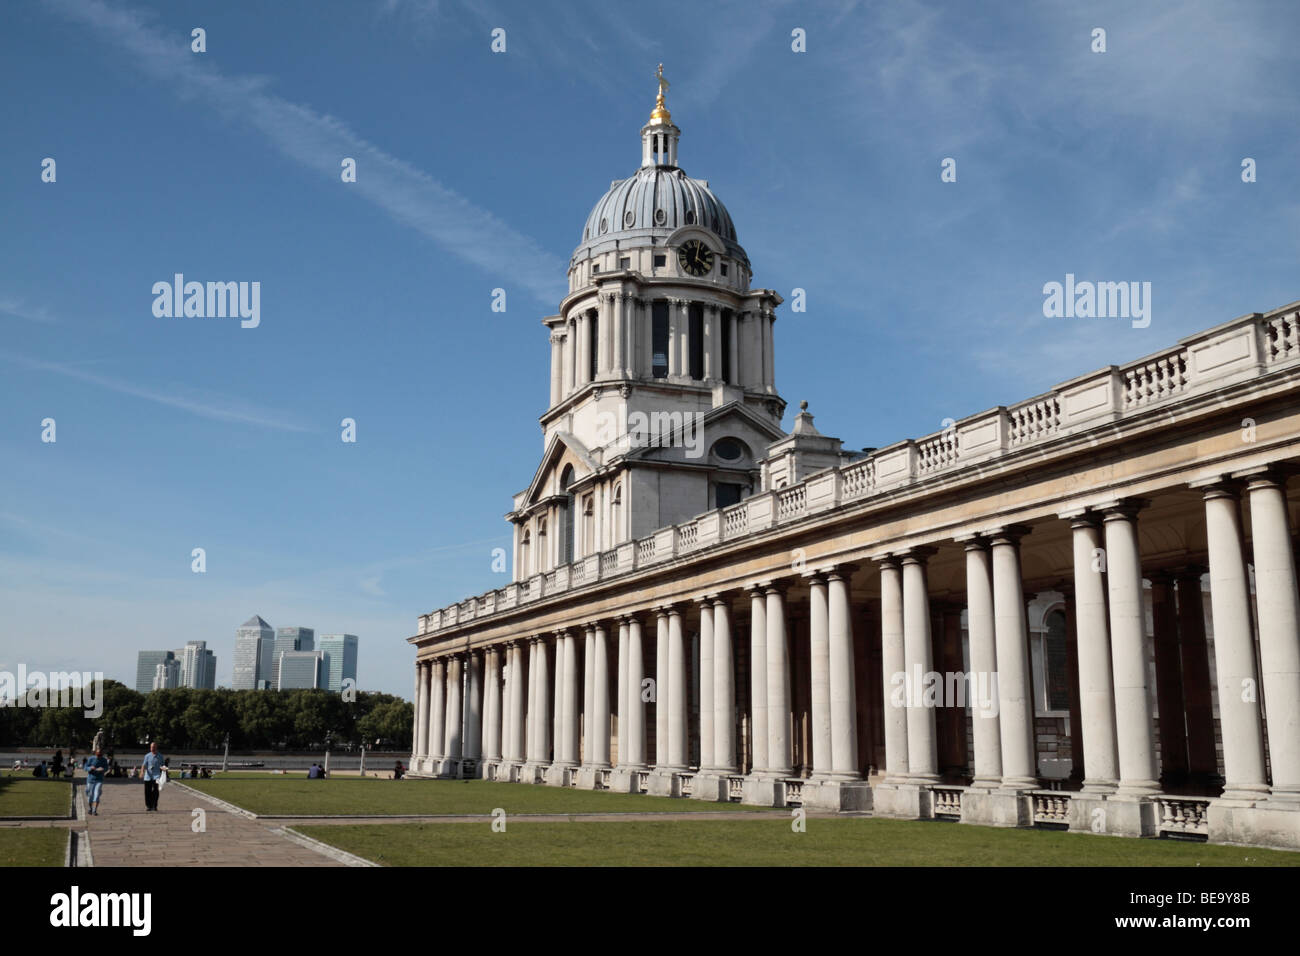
pixel 588 691
pixel 706 683
pixel 492 707
pixel 1015 683
pixel 1096 690
pixel 569 745
pixel 724 688
pixel 894 670
pixel 598 736
pixel 454 728
pixel 622 692
pixel 1134 725
pixel 618 320
pixel 779 757
pixel 1169 684
pixel 734 346
pixel 557 367
pixel 769 364
pixel 922 749
pixel 820 669
pixel 986 723
pixel 661 688
pixel 474 709
pixel 551 700
pixel 843 690
pixel 1279 630
pixel 509 708
pixel 712 343
pixel 1202 755
pixel 438 713
pixel 421 711
pixel 1072 679
pixel 674 333
pixel 635 704
pixel 758 678
pixel 530 723
pixel 678 726
pixel 1234 648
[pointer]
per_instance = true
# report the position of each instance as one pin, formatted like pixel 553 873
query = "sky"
pixel 476 170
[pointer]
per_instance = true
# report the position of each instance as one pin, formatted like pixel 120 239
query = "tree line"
pixel 189 719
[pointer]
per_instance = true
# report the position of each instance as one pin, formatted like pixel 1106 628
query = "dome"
pixel 659 199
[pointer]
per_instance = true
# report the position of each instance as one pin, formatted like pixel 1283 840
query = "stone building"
pixel 981 623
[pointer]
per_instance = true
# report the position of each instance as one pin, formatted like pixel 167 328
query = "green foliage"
pixel 188 719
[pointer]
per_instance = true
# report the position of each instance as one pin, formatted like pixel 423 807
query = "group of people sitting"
pixel 317 772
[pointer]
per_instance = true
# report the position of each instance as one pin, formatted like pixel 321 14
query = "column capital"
pixel 1007 533
pixel 1122 509
pixel 720 599
pixel 917 555
pixel 775 586
pixel 842 571
pixel 1220 486
pixel 1273 475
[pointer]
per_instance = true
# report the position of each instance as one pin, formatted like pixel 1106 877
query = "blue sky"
pixel 476 170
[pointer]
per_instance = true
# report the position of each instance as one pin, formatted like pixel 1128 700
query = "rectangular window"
pixel 593 343
pixel 659 339
pixel 595 267
pixel 724 268
pixel 695 344
pixel 727 494
pixel 726 344
pixel 625 263
pixel 661 260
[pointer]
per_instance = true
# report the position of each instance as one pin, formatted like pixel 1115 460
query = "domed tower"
pixel 663 396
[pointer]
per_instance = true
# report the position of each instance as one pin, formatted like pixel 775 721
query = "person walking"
pixel 56 765
pixel 96 766
pixel 151 769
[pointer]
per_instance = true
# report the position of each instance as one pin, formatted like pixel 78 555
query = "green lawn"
pixel 826 842
pixel 349 796
pixel 32 846
pixel 30 797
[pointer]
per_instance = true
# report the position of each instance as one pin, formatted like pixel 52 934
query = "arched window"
pixel 616 515
pixel 588 525
pixel 1056 685
pixel 543 556
pixel 525 569
pixel 564 517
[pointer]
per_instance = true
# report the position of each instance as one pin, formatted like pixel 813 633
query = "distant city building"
pixel 198 666
pixel 289 639
pixel 167 674
pixel 340 664
pixel 146 668
pixel 254 647
pixel 299 670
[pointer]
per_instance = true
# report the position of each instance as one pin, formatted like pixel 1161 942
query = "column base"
pixel 626 779
pixel 1244 795
pixel 1123 815
pixel 491 769
pixel 763 789
pixel 665 782
pixel 1262 825
pixel 711 785
pixel 840 795
pixel 559 774
pixel 532 773
pixel 449 767
pixel 902 800
pixel 997 808
pixel 589 778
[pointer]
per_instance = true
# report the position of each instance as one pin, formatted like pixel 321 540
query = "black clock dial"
pixel 695 257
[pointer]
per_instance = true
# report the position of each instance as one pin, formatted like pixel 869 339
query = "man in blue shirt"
pixel 96 766
pixel 151 769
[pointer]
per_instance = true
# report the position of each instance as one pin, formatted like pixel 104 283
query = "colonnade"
pixel 530 722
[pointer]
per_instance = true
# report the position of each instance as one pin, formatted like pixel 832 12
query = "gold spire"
pixel 660 113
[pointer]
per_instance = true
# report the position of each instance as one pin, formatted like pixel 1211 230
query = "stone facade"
pixel 1075 565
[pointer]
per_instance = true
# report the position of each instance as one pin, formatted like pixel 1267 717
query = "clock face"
pixel 695 257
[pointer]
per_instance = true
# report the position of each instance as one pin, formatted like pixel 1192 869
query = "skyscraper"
pixel 254 643
pixel 198 665
pixel 299 670
pixel 289 639
pixel 167 674
pixel 340 660
pixel 146 668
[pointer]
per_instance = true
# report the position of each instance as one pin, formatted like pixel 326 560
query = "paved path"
pixel 533 818
pixel 123 834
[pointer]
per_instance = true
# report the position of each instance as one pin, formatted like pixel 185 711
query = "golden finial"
pixel 660 113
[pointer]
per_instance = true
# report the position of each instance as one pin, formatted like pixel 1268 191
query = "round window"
pixel 729 449
pixel 690 217
pixel 629 217
pixel 604 225
pixel 660 217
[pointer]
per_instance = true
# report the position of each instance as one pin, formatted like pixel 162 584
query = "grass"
pixel 33 846
pixel 31 797
pixel 355 796
pixel 826 842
